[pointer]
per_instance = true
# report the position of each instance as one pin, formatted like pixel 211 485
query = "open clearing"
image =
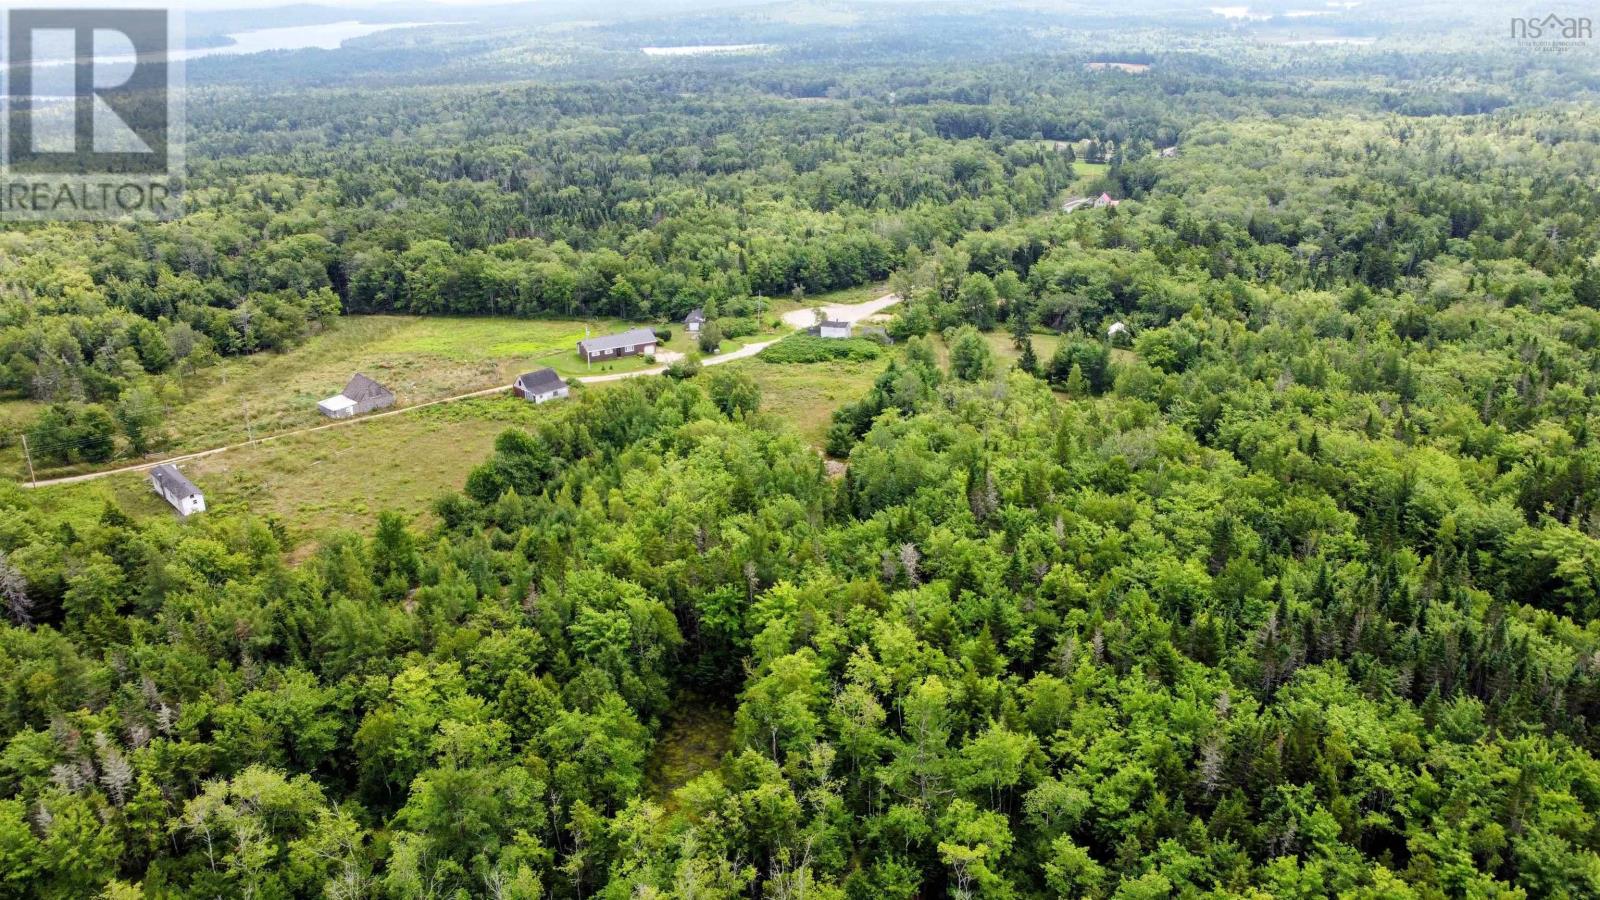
pixel 343 477
pixel 422 359
pixel 337 478
pixel 804 395
pixel 839 312
pixel 692 742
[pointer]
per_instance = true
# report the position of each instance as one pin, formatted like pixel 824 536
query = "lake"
pixel 297 37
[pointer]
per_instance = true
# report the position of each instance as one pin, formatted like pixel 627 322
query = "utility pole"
pixel 249 431
pixel 29 454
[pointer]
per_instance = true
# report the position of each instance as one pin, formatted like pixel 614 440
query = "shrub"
pixel 807 348
pixel 738 327
pixel 688 367
pixel 663 334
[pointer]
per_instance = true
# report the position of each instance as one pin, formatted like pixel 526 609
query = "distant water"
pixel 297 37
pixel 703 49
pixel 262 40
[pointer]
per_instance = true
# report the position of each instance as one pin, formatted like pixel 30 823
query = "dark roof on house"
pixel 541 381
pixel 829 323
pixel 695 315
pixel 169 479
pixel 630 338
pixel 363 388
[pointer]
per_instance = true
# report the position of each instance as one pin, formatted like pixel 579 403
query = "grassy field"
pixel 338 478
pixel 804 395
pixel 1087 174
pixel 1044 345
pixel 14 417
pixel 419 358
pixel 343 477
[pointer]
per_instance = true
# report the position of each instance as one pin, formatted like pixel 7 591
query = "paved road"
pixel 801 318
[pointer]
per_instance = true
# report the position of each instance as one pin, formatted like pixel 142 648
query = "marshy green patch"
pixel 692 742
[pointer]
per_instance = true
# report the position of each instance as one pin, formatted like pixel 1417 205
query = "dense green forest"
pixel 1286 589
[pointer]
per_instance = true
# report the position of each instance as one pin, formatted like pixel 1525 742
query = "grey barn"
pixel 361 395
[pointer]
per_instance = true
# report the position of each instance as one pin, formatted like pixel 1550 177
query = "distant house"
pixel 177 490
pixel 361 395
pixel 830 329
pixel 633 342
pixel 1169 152
pixel 1117 330
pixel 1105 200
pixel 694 320
pixel 540 386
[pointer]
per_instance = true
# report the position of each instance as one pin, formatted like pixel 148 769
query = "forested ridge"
pixel 1285 588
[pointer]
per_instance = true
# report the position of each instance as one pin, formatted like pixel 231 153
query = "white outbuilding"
pixel 540 386
pixel 337 407
pixel 177 490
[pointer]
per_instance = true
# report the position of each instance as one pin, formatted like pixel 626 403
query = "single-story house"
pixel 829 328
pixel 693 321
pixel 540 386
pixel 1118 329
pixel 1169 152
pixel 1105 200
pixel 361 395
pixel 632 342
pixel 177 490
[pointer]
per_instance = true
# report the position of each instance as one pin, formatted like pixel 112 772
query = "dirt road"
pixel 850 312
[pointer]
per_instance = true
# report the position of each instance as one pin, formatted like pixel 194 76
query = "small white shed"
pixel 337 407
pixel 177 490
pixel 831 329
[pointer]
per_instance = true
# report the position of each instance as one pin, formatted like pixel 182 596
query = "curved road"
pixel 800 318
